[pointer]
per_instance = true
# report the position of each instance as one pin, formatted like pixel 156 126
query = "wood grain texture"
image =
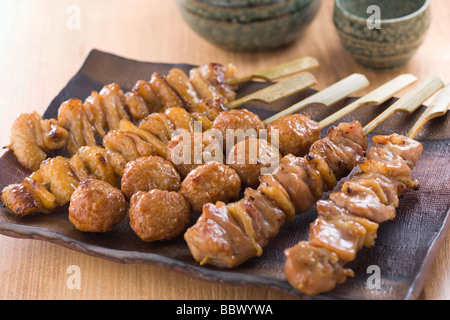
pixel 40 53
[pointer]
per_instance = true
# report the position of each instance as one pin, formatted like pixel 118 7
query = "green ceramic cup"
pixel 249 25
pixel 382 34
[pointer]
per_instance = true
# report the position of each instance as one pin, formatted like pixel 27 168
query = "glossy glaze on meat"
pixel 158 214
pixel 349 218
pixel 228 235
pixel 96 206
pixel 296 133
pixel 210 182
pixel 79 123
pixel 148 173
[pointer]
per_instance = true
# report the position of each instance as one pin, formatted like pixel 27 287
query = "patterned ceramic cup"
pixel 382 34
pixel 249 25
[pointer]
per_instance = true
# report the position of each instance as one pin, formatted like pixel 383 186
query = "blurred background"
pixel 43 43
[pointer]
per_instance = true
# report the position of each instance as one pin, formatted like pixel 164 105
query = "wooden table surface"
pixel 42 47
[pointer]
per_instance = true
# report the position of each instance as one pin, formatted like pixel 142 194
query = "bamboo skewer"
pixel 328 96
pixel 437 108
pixel 276 72
pixel 410 102
pixel 277 91
pixel 376 97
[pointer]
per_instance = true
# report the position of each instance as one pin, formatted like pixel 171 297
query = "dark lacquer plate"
pixel 404 248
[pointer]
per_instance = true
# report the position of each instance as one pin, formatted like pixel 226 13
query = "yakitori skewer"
pixel 203 94
pixel 43 191
pixel 342 228
pixel 227 235
pixel 279 71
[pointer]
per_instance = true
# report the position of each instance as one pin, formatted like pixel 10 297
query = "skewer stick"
pixel 410 102
pixel 437 108
pixel 328 96
pixel 278 91
pixel 376 97
pixel 276 72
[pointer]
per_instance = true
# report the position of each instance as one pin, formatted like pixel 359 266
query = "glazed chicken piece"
pixel 96 206
pixel 72 116
pixel 159 125
pixel 236 125
pixel 227 244
pixel 295 134
pixel 203 110
pixel 192 149
pixel 216 75
pixel 57 176
pixel 158 215
pixel 53 184
pixel 44 190
pixel 209 183
pixel 349 219
pixel 147 173
pixel 144 89
pixel 136 105
pixel 181 119
pixel 180 83
pixel 167 96
pixel 294 187
pixel 312 269
pixel 128 144
pixel 98 163
pixel 33 137
pixel 252 158
pixel 113 106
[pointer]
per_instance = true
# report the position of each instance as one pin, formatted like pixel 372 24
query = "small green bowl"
pixel 387 43
pixel 249 25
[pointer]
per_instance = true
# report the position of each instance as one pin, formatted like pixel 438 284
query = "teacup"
pixel 382 34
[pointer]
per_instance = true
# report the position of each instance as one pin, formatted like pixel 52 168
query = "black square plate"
pixel 404 249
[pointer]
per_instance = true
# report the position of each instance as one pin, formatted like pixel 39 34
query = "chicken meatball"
pixel 96 206
pixel 295 134
pixel 147 173
pixel 240 124
pixel 252 158
pixel 209 183
pixel 189 150
pixel 158 214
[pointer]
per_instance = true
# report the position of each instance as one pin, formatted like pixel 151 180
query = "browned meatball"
pixel 189 150
pixel 158 214
pixel 209 183
pixel 149 173
pixel 252 158
pixel 296 134
pixel 242 119
pixel 96 206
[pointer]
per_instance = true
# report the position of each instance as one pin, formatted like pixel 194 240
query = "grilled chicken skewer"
pixel 39 191
pixel 79 123
pixel 204 94
pixel 350 218
pixel 228 235
pixel 127 142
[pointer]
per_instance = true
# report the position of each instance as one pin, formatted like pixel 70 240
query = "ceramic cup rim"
pixel 353 16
